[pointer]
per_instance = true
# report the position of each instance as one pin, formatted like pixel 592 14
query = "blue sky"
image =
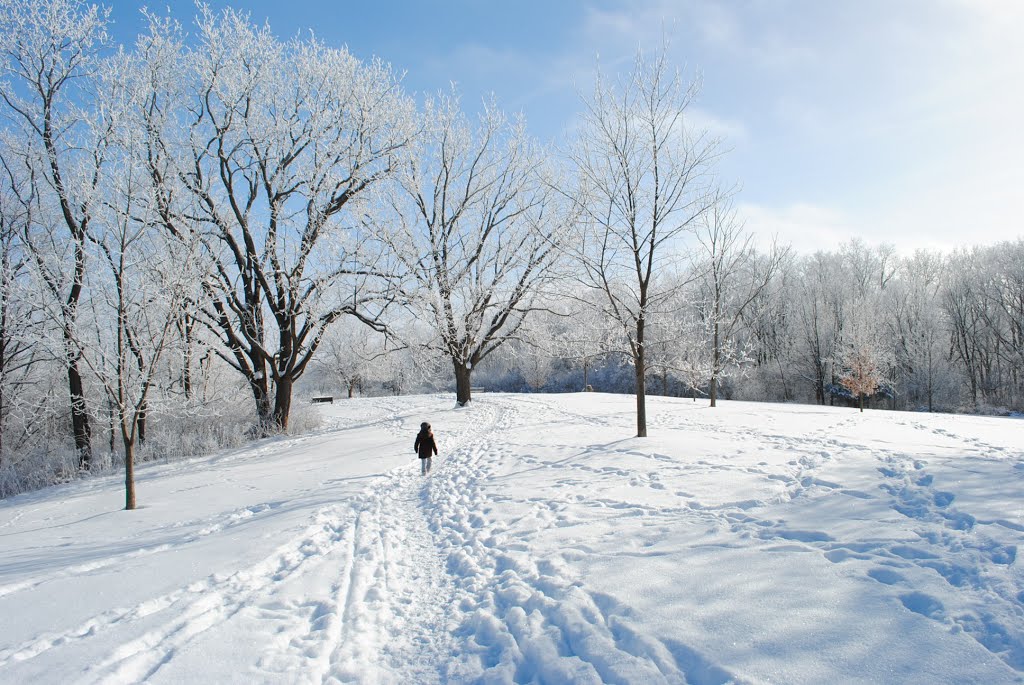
pixel 894 121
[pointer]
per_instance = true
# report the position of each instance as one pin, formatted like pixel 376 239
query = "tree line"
pixel 212 212
pixel 858 325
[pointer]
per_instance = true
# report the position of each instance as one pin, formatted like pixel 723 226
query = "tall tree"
pixel 645 180
pixel 51 52
pixel 144 272
pixel 19 317
pixel 475 226
pixel 966 308
pixel 283 141
pixel 822 297
pixel 920 336
pixel 769 325
pixel 1005 291
pixel 732 277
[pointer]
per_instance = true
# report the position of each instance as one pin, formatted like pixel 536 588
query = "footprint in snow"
pixel 886 576
pixel 923 604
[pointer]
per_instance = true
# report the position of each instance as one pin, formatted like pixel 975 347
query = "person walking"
pixel 425 447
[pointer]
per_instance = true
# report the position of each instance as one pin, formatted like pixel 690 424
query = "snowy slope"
pixel 748 543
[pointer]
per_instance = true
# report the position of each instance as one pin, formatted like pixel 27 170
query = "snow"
pixel 749 543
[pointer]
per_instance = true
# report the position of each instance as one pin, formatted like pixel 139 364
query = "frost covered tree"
pixel 966 308
pixel 692 359
pixel 281 143
pixel 920 336
pixel 731 278
pixel 475 226
pixel 829 285
pixel 1005 290
pixel 144 273
pixel 664 351
pixel 645 180
pixel 822 296
pixel 145 280
pixel 51 50
pixel 768 325
pixel 536 365
pixel 19 315
pixel 353 355
pixel 679 341
pixel 582 334
pixel 864 351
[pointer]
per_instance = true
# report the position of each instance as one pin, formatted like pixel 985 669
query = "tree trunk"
pixel 282 402
pixel 264 407
pixel 79 415
pixel 716 357
pixel 3 338
pixel 641 393
pixel 861 398
pixel 142 422
pixel 111 417
pixel 819 382
pixel 974 388
pixel 129 472
pixel 462 383
pixel 782 378
pixel 79 411
pixel 351 389
pixel 929 384
pixel 2 409
pixel 186 362
pixel 586 384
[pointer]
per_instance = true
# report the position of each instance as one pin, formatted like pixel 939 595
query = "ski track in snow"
pixel 388 561
pixel 388 576
pixel 413 581
pixel 210 526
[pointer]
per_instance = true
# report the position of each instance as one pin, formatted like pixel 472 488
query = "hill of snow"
pixel 749 543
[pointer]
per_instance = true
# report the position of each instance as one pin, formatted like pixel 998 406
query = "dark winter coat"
pixel 425 444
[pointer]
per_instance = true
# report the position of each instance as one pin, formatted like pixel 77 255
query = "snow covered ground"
pixel 750 543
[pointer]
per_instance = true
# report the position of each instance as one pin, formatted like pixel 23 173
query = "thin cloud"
pixel 806 227
pixel 728 129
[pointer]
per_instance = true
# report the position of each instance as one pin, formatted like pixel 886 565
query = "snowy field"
pixel 751 543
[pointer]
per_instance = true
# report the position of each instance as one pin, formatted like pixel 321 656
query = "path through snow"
pixel 750 543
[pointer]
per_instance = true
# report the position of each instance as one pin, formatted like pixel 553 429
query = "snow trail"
pixel 524 621
pixel 743 545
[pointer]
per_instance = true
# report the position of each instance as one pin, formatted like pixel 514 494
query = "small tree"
pixel 146 272
pixel 682 348
pixel 353 354
pixel 569 329
pixel 584 335
pixel 864 353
